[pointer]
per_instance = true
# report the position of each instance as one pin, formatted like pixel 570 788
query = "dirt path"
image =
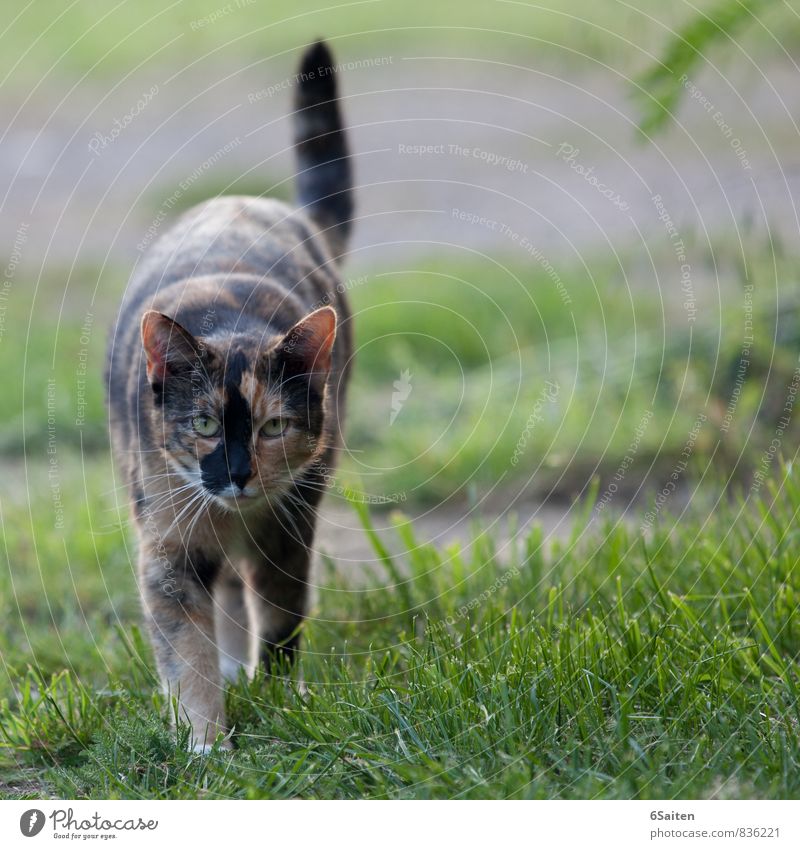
pixel 455 155
pixel 341 537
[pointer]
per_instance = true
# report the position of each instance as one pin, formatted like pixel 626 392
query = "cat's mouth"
pixel 235 499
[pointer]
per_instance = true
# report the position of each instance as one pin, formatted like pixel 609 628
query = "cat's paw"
pixel 205 748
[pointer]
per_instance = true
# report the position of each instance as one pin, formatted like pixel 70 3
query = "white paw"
pixel 205 748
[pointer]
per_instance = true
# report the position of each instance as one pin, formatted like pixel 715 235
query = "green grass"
pixel 615 664
pixel 606 665
pixel 482 339
pixel 220 183
pixel 52 39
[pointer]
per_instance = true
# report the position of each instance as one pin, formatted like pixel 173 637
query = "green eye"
pixel 205 425
pixel 274 427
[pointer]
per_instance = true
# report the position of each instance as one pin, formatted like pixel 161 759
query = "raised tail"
pixel 324 179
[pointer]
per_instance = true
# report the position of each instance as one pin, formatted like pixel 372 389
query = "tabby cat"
pixel 226 381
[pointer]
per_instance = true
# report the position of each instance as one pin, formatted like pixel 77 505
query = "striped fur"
pixel 235 320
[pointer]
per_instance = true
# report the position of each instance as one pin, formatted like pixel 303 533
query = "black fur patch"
pixel 324 179
pixel 202 568
pixel 280 652
pixel 231 462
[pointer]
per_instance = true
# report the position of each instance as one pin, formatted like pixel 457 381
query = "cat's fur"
pixel 232 315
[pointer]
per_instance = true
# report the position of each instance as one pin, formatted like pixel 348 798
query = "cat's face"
pixel 239 418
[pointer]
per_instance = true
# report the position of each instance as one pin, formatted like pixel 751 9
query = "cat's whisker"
pixel 150 508
pixel 300 502
pixel 193 499
pixel 320 486
pixel 278 501
pixel 193 524
pixel 290 520
pixel 168 473
pixel 161 503
pixel 148 481
pixel 176 524
pixel 141 479
pixel 312 487
pixel 173 490
pixel 199 513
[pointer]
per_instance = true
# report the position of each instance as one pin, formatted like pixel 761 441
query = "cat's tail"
pixel 324 179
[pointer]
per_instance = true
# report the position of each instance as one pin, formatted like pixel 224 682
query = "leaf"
pixel 660 88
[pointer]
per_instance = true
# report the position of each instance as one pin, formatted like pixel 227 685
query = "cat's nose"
pixel 239 470
pixel 240 479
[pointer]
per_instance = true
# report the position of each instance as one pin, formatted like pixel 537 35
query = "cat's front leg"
pixel 276 573
pixel 180 617
pixel 230 617
pixel 276 596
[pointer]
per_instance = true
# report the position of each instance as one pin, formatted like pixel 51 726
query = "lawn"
pixel 627 661
pixel 655 662
pixel 614 664
pixel 647 659
pixel 508 386
pixel 653 655
pixel 96 38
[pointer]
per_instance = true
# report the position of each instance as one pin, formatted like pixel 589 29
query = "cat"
pixel 226 377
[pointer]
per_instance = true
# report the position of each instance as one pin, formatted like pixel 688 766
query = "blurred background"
pixel 573 264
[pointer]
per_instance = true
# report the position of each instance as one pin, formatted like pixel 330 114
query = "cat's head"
pixel 239 416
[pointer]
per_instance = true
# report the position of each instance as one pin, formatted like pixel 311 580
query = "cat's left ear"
pixel 306 348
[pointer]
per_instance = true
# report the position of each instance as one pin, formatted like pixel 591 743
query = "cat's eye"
pixel 274 427
pixel 205 425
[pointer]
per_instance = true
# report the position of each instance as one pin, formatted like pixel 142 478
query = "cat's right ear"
pixel 168 347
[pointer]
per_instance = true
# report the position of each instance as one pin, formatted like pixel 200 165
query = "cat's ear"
pixel 168 346
pixel 306 348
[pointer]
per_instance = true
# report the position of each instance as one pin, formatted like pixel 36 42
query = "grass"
pixel 617 663
pixel 613 664
pixel 482 342
pixel 101 39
